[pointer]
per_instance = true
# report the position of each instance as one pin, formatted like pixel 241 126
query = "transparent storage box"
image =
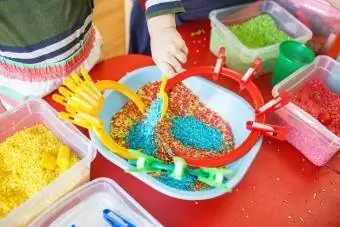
pixel 319 16
pixel 240 57
pixel 84 207
pixel 305 132
pixel 39 112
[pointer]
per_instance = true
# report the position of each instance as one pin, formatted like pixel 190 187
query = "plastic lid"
pixel 85 207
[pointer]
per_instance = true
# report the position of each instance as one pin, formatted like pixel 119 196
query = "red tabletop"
pixel 281 188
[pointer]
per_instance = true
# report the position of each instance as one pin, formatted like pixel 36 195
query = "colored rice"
pixel 194 134
pixel 21 175
pixel 126 129
pixel 321 103
pixel 260 31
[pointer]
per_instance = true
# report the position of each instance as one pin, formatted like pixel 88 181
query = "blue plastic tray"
pixel 233 108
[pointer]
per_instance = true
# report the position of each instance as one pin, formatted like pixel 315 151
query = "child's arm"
pixel 168 48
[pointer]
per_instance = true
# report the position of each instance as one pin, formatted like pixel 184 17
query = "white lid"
pixel 85 205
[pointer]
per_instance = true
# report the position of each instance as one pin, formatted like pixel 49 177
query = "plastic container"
pixel 319 16
pixel 2 108
pixel 212 96
pixel 240 57
pixel 292 56
pixel 306 133
pixel 27 115
pixel 85 205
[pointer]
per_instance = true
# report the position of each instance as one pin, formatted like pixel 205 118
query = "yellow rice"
pixel 21 175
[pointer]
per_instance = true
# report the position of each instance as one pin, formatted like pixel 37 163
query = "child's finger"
pixel 166 69
pixel 179 40
pixel 185 49
pixel 176 65
pixel 181 57
pixel 180 43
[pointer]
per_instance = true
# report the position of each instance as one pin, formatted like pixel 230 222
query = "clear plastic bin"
pixel 240 57
pixel 212 96
pixel 319 16
pixel 84 207
pixel 39 112
pixel 306 133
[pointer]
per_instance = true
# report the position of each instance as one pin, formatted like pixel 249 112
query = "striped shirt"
pixel 42 42
pixel 40 31
pixel 187 9
pixel 160 7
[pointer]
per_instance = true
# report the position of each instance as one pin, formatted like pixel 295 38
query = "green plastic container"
pixel 292 56
pixel 239 57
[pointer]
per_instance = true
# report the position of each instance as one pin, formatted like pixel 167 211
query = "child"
pixel 167 47
pixel 163 41
pixel 41 42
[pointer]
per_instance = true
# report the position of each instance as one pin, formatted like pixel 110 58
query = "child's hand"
pixel 169 50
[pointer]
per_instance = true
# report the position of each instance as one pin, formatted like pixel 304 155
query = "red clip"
pixel 274 131
pixel 276 103
pixel 251 73
pixel 219 63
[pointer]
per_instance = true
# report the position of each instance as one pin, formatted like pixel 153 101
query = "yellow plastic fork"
pixel 83 100
pixel 163 95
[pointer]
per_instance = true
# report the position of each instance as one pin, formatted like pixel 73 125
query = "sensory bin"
pixel 116 109
pixel 22 173
pixel 319 16
pixel 175 134
pixel 85 207
pixel 189 127
pixel 312 117
pixel 254 30
pixel 33 174
pixel 321 103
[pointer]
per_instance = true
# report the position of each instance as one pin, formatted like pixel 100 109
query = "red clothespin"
pixel 251 73
pixel 219 63
pixel 276 103
pixel 274 131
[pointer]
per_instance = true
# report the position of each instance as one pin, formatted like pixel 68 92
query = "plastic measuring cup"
pixel 292 56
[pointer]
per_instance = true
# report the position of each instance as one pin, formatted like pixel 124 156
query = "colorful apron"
pixel 42 42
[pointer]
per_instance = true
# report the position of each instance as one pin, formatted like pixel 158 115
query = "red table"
pixel 281 188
